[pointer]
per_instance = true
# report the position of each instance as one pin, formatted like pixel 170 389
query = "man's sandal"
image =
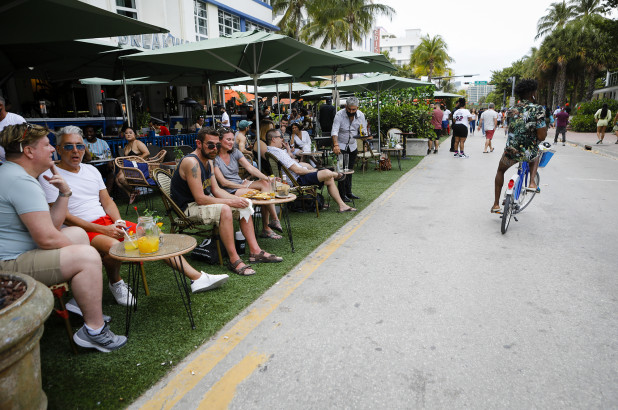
pixel 261 257
pixel 244 271
pixel 275 225
pixel 270 235
pixel 340 176
pixel 497 210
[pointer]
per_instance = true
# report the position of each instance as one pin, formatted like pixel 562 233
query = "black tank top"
pixel 179 189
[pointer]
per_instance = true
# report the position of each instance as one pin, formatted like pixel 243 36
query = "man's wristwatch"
pixel 65 195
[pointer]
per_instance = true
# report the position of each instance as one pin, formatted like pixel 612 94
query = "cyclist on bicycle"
pixel 527 128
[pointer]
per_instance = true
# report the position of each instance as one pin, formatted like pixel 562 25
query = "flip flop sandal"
pixel 496 210
pixel 270 235
pixel 275 225
pixel 340 176
pixel 347 210
pixel 261 257
pixel 244 271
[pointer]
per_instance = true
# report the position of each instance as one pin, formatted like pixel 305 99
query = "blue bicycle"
pixel 517 198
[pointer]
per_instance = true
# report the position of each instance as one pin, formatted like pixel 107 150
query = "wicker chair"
pixel 179 222
pixel 311 190
pixel 138 176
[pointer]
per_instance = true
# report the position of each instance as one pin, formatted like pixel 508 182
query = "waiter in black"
pixel 346 126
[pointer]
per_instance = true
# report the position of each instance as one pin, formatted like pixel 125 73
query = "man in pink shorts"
pixel 489 122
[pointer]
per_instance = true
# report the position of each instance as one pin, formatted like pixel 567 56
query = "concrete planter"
pixel 21 328
pixel 416 146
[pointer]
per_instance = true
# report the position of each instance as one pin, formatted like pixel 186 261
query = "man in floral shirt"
pixel 526 130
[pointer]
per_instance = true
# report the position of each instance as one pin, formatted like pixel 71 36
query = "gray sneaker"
pixel 72 307
pixel 106 341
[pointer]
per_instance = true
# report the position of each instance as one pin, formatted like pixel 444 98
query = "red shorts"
pixel 106 221
pixel 489 134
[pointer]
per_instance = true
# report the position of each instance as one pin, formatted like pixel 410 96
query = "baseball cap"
pixel 244 124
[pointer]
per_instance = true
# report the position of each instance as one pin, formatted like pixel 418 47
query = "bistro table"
pixel 396 151
pixel 96 162
pixel 171 247
pixel 306 156
pixel 283 202
pixel 404 135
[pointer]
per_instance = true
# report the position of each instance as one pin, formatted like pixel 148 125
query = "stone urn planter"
pixel 21 328
pixel 416 146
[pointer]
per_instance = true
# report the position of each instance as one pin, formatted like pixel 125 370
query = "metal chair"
pixel 179 222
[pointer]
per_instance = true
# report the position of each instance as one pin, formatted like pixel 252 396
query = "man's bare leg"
pixel 327 177
pixel 503 166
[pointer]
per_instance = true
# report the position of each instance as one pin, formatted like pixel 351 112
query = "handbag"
pixel 384 164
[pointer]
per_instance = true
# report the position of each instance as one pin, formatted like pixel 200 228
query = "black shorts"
pixel 460 130
pixel 310 179
pixel 437 134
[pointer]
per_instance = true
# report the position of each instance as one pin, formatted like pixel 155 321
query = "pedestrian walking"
pixel 562 119
pixel 461 123
pixel 489 123
pixel 602 117
pixel 436 121
pixel 473 120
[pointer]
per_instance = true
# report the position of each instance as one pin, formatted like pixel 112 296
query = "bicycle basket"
pixel 545 157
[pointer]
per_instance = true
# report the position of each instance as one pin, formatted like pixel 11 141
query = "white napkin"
pixel 246 212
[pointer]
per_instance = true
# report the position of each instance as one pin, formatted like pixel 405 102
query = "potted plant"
pixel 21 328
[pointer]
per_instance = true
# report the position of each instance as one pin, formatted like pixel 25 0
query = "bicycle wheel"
pixel 507 213
pixel 526 197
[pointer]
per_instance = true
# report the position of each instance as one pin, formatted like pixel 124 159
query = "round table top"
pixel 173 245
pixel 392 149
pixel 363 137
pixel 274 201
pixel 405 133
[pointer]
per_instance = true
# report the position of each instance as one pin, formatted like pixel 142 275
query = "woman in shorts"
pixel 461 122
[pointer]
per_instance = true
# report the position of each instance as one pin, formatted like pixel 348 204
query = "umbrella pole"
pixel 212 109
pixel 290 89
pixel 257 122
pixel 379 135
pixel 126 98
pixel 278 102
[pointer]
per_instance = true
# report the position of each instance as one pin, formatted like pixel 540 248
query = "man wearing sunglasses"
pixel 92 209
pixel 195 190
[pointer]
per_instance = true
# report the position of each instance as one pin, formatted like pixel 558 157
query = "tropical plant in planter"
pixel 406 109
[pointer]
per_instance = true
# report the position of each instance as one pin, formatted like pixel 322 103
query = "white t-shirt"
pixel 446 114
pixel 305 144
pixel 488 119
pixel 10 119
pixel 500 116
pixel 285 159
pixel 85 185
pixel 556 111
pixel 461 116
pixel 225 119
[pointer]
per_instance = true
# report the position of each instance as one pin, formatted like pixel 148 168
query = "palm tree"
pixel 586 8
pixel 558 14
pixel 431 55
pixel 360 16
pixel 324 27
pixel 292 19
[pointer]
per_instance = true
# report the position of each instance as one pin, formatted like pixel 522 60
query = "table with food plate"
pixel 169 246
pixel 265 198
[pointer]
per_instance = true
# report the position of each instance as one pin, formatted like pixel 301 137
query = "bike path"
pixel 421 302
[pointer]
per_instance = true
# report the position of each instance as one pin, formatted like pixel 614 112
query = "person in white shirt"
pixel 304 173
pixel 489 122
pixel 6 119
pixel 461 118
pixel 225 118
pixel 446 113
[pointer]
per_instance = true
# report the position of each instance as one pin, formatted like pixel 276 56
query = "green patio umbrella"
pixel 252 53
pixel 128 81
pixel 36 21
pixel 440 94
pixel 378 84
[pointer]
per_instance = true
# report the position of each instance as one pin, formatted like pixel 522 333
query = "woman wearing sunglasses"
pixel 133 148
pixel 226 171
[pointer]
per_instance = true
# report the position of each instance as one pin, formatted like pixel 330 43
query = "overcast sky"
pixel 482 35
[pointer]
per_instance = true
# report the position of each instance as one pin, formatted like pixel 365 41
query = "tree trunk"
pixel 550 93
pixel 560 83
pixel 581 89
pixel 592 73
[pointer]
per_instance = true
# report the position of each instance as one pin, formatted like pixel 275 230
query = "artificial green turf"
pixel 160 332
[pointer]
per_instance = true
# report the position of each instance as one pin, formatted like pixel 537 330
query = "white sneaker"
pixel 462 155
pixel 208 282
pixel 72 307
pixel 122 293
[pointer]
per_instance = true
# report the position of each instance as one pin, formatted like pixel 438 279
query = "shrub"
pixel 405 109
pixel 583 121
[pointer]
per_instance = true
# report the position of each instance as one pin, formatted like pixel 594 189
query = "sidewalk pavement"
pixel 608 148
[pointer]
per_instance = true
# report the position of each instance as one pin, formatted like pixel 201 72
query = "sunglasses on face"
pixel 69 147
pixel 212 145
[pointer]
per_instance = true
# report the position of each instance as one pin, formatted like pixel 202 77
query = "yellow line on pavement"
pixel 221 394
pixel 198 368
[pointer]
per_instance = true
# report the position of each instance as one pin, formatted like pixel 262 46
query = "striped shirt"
pixel 98 147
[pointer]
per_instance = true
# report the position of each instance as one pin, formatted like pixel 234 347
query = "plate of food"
pixel 255 194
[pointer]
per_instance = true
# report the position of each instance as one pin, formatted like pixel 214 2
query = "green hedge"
pixel 406 109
